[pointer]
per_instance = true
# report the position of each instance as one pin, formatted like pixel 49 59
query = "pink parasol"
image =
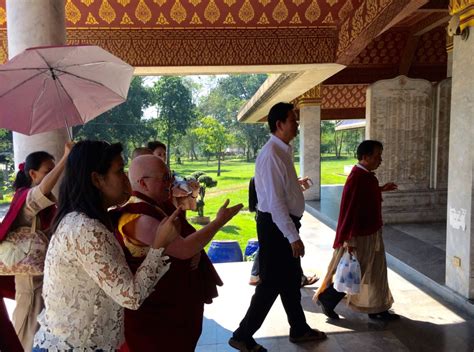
pixel 47 88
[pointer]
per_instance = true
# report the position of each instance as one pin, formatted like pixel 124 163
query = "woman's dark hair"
pixel 33 162
pixel 278 112
pixel 77 192
pixel 367 148
pixel 156 144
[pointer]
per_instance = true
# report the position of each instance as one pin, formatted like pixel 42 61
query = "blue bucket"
pixel 224 251
pixel 252 247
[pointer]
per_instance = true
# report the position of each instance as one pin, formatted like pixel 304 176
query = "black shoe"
pixel 310 335
pixel 330 313
pixel 385 316
pixel 249 346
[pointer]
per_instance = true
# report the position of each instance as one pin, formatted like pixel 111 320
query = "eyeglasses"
pixel 168 177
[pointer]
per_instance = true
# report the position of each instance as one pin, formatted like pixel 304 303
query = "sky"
pixel 205 82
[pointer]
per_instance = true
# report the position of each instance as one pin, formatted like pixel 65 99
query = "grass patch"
pixel 233 183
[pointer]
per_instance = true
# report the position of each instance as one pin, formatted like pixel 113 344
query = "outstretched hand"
pixel 390 186
pixel 225 214
pixel 168 230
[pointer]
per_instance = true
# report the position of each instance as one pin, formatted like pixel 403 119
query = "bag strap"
pixel 33 224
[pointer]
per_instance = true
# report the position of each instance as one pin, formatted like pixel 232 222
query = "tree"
pixel 123 123
pixel 175 109
pixel 224 102
pixel 214 138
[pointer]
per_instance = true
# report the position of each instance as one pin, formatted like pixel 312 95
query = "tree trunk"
pixel 219 163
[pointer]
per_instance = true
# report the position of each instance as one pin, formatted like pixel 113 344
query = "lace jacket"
pixel 87 282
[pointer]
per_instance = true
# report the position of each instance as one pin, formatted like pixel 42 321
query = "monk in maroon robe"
pixel 359 231
pixel 170 319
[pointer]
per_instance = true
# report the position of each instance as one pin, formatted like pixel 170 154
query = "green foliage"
pixel 124 122
pixel 175 108
pixel 224 102
pixel 213 136
pixel 205 182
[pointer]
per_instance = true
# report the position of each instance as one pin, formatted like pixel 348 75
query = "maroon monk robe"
pixel 361 207
pixel 8 339
pixel 170 319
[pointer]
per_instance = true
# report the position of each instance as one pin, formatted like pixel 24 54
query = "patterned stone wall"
pixel 441 135
pixel 399 113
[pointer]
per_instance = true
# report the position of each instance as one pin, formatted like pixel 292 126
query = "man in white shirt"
pixel 280 207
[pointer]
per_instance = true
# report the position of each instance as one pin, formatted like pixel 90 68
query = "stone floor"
pixel 427 324
pixel 421 246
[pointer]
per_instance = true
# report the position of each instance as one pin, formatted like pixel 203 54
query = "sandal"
pixel 309 280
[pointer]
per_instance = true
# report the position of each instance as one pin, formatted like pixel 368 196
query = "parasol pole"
pixel 55 79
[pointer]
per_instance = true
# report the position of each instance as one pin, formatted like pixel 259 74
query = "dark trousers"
pixel 330 297
pixel 280 274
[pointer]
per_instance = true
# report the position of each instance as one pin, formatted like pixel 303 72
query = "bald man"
pixel 170 319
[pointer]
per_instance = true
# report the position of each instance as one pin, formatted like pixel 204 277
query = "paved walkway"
pixel 426 324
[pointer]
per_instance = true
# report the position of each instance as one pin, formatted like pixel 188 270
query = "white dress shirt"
pixel 278 189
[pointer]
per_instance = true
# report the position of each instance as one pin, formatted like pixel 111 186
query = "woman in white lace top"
pixel 87 281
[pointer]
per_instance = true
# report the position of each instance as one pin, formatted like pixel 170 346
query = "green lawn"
pixel 233 183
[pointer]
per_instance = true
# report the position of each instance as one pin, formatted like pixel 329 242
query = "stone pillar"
pixel 310 140
pixel 460 224
pixel 440 140
pixel 310 148
pixel 33 23
pixel 400 114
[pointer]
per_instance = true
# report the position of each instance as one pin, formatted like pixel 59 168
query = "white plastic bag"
pixel 347 278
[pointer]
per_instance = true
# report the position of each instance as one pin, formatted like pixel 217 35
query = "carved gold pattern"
pixel 107 12
pixel 246 12
pixel 298 2
pixel 296 19
pixel 280 12
pixel 123 2
pixel 87 2
pixel 177 47
pixel 344 36
pixel 456 6
pixel 264 2
pixel 372 10
pixel 143 12
pixel 332 2
pixel 162 19
pixel 91 19
pixel 343 96
pixel 229 19
pixel 195 19
pixel 72 12
pixel 159 2
pixel 194 2
pixel 346 9
pixel 263 19
pixel 178 12
pixel 328 18
pixel 310 97
pixel 3 55
pixel 358 22
pixel 313 11
pixel 212 12
pixel 3 16
pixel 230 2
pixel 126 20
pixel 465 10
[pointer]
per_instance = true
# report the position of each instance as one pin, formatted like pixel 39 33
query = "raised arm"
pixel 183 248
pixel 50 180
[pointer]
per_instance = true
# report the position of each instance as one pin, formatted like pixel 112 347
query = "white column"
pixel 460 225
pixel 310 147
pixel 33 23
